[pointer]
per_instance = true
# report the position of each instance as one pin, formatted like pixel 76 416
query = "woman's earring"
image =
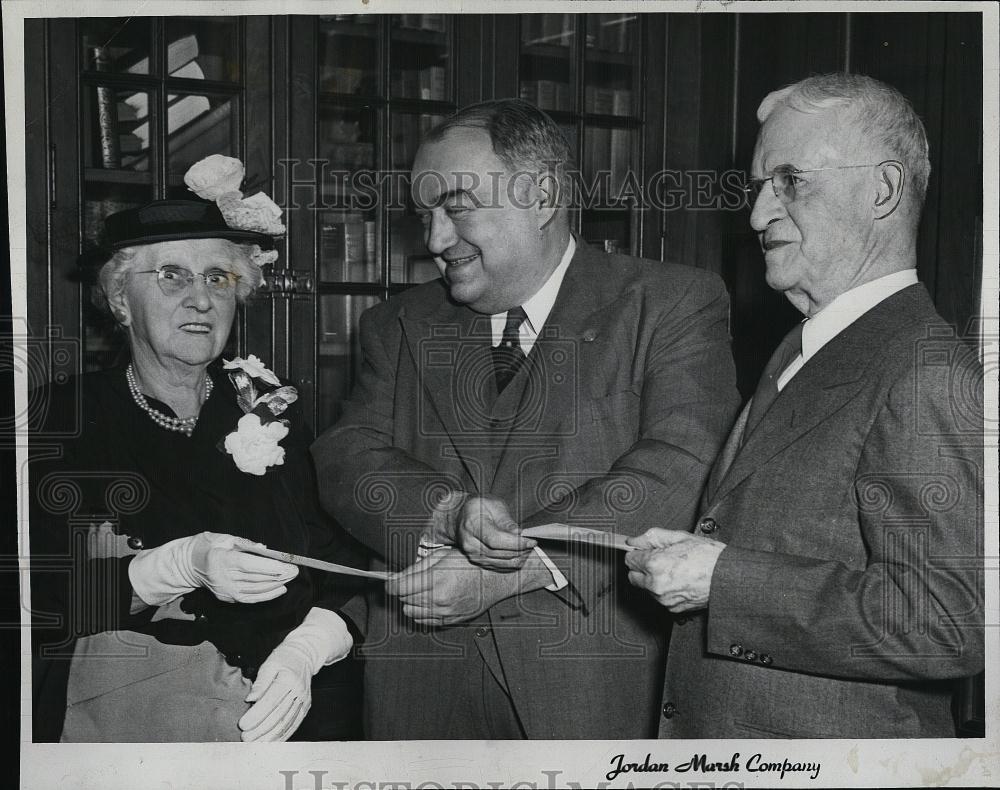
pixel 120 317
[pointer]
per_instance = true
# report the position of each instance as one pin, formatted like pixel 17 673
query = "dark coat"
pixel 96 457
pixel 624 402
pixel 847 601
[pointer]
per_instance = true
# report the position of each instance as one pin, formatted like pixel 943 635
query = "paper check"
pixel 566 532
pixel 309 562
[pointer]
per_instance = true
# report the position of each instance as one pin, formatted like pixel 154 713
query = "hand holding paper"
pixel 446 588
pixel 482 527
pixel 675 567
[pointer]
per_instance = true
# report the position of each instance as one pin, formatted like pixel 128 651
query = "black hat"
pixel 163 220
pixel 171 220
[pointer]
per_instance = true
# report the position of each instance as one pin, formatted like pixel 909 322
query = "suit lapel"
pixel 827 382
pixel 555 367
pixel 727 454
pixel 450 349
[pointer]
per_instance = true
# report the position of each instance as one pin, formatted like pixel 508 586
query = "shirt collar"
pixel 540 304
pixel 849 307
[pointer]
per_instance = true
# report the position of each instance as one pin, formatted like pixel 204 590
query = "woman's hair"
pixel 113 276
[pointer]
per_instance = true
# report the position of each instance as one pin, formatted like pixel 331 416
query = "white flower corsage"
pixel 218 178
pixel 253 367
pixel 254 445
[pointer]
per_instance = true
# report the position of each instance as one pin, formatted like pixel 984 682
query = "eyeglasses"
pixel 784 179
pixel 174 280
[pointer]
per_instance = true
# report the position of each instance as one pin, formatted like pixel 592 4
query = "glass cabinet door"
pixel 383 82
pixel 583 69
pixel 157 95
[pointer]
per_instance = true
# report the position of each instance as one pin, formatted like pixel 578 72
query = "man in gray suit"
pixel 830 588
pixel 540 380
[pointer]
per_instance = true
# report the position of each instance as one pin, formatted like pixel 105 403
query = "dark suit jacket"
pixel 847 601
pixel 627 395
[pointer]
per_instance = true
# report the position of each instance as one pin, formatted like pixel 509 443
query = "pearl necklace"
pixel 183 425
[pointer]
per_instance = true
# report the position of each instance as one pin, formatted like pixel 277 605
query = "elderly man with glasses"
pixel 832 587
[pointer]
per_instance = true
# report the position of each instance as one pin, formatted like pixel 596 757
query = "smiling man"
pixel 539 380
pixel 831 586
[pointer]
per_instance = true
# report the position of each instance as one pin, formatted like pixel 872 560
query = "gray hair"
pixel 113 276
pixel 880 113
pixel 524 138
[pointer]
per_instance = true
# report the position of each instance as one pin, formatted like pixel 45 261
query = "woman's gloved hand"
pixel 211 560
pixel 282 693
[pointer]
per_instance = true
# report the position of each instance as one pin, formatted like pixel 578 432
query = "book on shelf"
pixel 549 94
pixel 622 102
pixel 107 121
pixel 621 157
pixel 341 79
pixel 347 247
pixel 608 101
pixel 350 156
pixel 597 155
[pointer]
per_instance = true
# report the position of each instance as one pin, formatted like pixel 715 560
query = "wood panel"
pixel 699 121
pixel 774 50
pixel 257 336
pixel 295 324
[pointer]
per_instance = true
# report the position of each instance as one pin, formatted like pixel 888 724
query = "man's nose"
pixel 440 234
pixel 766 208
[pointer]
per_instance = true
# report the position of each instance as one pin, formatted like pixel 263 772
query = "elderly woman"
pixel 154 489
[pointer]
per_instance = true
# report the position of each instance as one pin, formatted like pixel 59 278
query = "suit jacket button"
pixel 669 710
pixel 135 542
pixel 482 631
pixel 681 620
pixel 750 655
pixel 589 335
pixel 736 650
pixel 707 525
pixel 765 659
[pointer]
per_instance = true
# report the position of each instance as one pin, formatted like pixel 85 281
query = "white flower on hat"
pixel 214 176
pixel 257 213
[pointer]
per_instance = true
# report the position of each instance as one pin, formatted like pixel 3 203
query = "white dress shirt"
pixel 841 313
pixel 537 309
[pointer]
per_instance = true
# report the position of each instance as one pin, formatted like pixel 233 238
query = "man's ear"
pixel 889 189
pixel 548 198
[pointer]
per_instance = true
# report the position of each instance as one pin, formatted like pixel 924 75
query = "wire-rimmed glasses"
pixel 174 280
pixel 784 178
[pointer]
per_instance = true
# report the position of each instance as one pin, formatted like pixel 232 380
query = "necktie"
pixel 767 387
pixel 507 357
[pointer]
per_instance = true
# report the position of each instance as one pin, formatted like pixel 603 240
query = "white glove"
pixel 211 560
pixel 282 693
